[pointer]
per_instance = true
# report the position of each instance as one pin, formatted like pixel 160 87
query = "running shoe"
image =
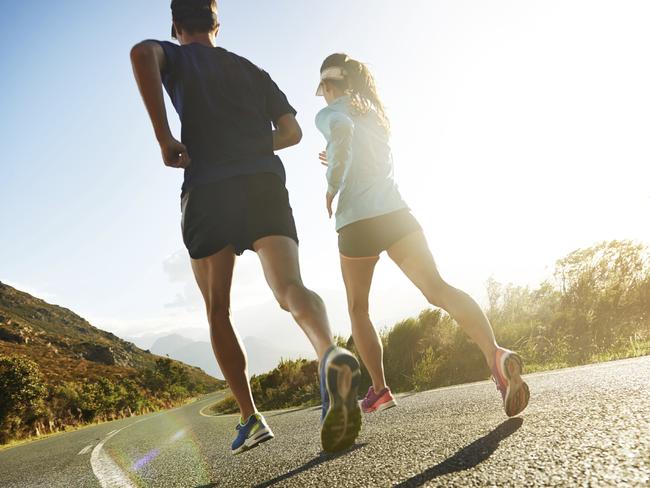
pixel 376 402
pixel 506 373
pixel 341 416
pixel 251 433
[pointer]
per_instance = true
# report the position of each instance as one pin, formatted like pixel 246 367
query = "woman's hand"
pixel 174 153
pixel 329 198
pixel 323 158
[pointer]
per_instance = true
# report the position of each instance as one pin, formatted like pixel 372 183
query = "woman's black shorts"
pixel 236 211
pixel 370 237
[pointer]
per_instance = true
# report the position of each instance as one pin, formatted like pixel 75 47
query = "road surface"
pixel 587 426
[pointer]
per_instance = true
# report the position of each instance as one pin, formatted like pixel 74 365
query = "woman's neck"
pixel 337 98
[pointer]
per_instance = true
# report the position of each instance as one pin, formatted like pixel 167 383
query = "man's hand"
pixel 174 153
pixel 329 198
pixel 323 158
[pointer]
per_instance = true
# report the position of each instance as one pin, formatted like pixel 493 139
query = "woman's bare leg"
pixel 357 276
pixel 414 258
pixel 214 277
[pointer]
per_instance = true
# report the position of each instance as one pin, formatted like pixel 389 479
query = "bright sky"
pixel 520 133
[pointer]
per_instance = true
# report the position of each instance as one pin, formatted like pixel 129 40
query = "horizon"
pixel 527 126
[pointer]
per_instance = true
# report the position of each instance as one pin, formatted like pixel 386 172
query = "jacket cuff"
pixel 332 190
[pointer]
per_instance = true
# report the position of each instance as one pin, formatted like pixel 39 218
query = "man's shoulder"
pixel 240 59
pixel 164 44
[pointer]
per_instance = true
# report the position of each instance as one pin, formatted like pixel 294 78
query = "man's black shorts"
pixel 235 211
pixel 370 237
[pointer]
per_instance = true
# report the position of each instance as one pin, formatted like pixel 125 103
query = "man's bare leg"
pixel 279 258
pixel 214 277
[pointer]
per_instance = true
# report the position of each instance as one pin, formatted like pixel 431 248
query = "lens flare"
pixel 146 459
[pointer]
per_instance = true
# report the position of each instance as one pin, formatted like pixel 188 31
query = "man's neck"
pixel 205 38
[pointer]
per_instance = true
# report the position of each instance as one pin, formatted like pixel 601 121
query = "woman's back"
pixel 360 162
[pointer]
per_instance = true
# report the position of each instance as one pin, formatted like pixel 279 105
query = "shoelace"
pixel 240 426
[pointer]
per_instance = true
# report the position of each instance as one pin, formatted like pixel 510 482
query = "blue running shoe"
pixel 341 415
pixel 251 433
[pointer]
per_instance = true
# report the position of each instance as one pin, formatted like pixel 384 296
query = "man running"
pixel 233 199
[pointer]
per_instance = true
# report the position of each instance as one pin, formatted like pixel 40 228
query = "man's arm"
pixel 148 60
pixel 288 132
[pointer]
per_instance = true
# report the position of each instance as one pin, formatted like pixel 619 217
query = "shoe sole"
pixel 342 421
pixel 517 394
pixel 261 436
pixel 383 406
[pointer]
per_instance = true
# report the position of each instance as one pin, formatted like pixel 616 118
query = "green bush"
pixel 596 307
pixel 291 383
pixel 225 406
pixel 29 405
pixel 22 396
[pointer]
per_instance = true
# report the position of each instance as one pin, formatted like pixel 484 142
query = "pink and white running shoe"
pixel 374 402
pixel 506 373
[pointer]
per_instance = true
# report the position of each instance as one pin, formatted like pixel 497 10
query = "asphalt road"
pixel 587 426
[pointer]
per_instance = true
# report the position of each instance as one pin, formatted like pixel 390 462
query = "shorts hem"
pixel 204 255
pixel 271 234
pixel 371 237
pixel 403 236
pixel 376 256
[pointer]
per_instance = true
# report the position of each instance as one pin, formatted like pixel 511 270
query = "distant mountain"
pixel 166 345
pixel 68 348
pixel 262 355
pixel 147 339
pixel 196 353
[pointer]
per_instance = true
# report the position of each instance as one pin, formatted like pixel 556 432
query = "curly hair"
pixel 359 83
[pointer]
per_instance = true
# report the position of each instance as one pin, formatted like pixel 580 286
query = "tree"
pixel 603 293
pixel 22 390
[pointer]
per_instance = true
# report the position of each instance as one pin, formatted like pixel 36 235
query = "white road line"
pixel 108 473
pixel 212 401
pixel 205 414
pixel 85 449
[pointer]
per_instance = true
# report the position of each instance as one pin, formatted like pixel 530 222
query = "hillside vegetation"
pixel 57 370
pixel 596 307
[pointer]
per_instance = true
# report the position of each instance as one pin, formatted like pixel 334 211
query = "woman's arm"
pixel 339 149
pixel 148 61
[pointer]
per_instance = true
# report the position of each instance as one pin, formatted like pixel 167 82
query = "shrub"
pixel 23 392
pixel 225 406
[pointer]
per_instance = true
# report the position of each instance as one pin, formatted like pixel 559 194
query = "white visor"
pixel 333 73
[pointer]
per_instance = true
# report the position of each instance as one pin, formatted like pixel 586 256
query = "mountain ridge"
pixel 29 324
pixel 262 355
pixel 57 369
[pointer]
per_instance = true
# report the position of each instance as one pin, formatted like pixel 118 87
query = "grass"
pixel 73 428
pixel 26 440
pixel 635 348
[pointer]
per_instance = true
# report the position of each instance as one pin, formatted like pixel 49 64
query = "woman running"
pixel 372 217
